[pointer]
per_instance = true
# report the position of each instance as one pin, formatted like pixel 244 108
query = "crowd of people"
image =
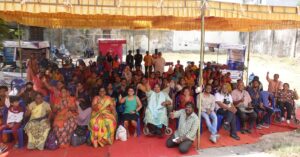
pixel 99 96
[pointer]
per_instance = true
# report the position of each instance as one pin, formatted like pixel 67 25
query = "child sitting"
pixel 14 118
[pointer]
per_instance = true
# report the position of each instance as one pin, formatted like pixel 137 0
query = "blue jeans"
pixel 211 124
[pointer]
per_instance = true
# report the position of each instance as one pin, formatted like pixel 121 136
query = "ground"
pixel 285 144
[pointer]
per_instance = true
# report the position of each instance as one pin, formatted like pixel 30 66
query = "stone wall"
pixel 276 43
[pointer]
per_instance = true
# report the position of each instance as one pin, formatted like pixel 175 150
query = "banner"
pixel 236 59
pixel 111 45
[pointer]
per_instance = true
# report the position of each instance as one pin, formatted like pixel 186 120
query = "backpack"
pixel 51 142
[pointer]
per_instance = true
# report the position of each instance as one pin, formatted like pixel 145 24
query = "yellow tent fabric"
pixel 148 14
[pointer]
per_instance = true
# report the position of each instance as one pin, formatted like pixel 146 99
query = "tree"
pixel 7 32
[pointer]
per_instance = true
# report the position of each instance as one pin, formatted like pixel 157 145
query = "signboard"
pixel 111 45
pixel 27 44
pixel 236 59
pixel 234 74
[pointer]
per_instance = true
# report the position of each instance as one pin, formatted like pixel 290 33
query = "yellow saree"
pixel 103 121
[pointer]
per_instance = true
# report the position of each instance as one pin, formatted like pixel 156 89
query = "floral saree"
pixel 103 122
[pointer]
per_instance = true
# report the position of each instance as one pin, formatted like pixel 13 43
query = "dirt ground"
pixel 285 144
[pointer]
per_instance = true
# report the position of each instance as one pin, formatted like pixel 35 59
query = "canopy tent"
pixel 148 14
pixel 151 14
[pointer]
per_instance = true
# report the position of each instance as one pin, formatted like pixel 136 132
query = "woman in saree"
pixel 103 120
pixel 65 112
pixel 38 126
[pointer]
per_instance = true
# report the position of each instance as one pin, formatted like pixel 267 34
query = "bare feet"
pixel 95 143
pixel 135 134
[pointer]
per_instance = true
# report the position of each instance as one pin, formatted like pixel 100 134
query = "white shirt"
pixel 222 97
pixel 14 117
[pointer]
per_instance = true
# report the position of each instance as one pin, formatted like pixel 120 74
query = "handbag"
pixel 80 130
pixel 246 109
pixel 77 140
pixel 51 142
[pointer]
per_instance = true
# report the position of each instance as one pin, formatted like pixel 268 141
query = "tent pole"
pixel 218 55
pixel 133 41
pixel 20 51
pixel 248 57
pixel 202 49
pixel 149 38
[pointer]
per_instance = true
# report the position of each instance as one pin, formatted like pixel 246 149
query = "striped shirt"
pixel 188 126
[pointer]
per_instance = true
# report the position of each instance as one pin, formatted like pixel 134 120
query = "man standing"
pixel 274 85
pixel 138 58
pixel 185 135
pixel 159 64
pixel 242 100
pixel 148 63
pixel 129 59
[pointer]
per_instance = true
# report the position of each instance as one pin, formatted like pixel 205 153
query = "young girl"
pixel 132 107
pixel 14 118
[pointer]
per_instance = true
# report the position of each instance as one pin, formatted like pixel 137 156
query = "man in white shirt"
pixel 226 108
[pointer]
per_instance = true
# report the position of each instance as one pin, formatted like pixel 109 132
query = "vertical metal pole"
pixel 202 49
pixel 248 57
pixel 20 51
pixel 133 42
pixel 149 39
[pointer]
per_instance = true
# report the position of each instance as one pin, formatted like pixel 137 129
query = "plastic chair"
pixel 17 83
pixel 265 95
pixel 20 130
pixel 220 119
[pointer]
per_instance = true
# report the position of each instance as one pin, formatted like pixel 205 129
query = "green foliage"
pixel 7 32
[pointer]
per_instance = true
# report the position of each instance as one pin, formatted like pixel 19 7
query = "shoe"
pixel 265 125
pixel 288 121
pixel 282 119
pixel 226 126
pixel 236 137
pixel 243 131
pixel 217 136
pixel 259 127
pixel 249 131
pixel 213 139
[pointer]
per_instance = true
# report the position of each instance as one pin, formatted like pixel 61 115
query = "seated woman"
pixel 103 120
pixel 156 111
pixel 64 123
pixel 84 113
pixel 185 97
pixel 132 108
pixel 14 118
pixel 285 101
pixel 38 126
pixel 208 112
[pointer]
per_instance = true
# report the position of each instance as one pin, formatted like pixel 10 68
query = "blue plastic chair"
pixel 20 130
pixel 220 119
pixel 265 95
pixel 17 83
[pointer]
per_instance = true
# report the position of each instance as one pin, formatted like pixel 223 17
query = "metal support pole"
pixel 202 49
pixel 133 42
pixel 20 51
pixel 149 39
pixel 248 58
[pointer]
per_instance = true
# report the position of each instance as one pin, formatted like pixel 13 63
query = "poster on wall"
pixel 115 46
